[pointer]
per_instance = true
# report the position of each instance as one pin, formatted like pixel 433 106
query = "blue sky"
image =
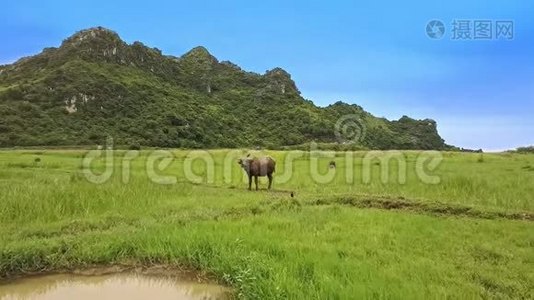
pixel 375 54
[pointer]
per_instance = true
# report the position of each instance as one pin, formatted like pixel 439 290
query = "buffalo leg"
pixel 249 182
pixel 256 182
pixel 270 180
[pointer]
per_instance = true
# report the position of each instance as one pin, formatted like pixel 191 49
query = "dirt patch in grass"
pixel 432 208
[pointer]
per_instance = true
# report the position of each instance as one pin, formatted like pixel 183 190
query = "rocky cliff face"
pixel 96 86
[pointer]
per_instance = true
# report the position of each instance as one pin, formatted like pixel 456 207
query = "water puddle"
pixel 109 287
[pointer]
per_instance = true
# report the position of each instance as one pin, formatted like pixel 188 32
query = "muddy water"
pixel 108 287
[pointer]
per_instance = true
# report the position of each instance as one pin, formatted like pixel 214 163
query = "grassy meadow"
pixel 354 235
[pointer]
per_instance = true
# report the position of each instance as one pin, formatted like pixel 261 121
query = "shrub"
pixel 135 146
pixel 529 149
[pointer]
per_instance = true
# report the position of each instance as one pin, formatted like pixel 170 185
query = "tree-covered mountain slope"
pixel 96 86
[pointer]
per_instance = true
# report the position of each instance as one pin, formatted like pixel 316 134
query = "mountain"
pixel 96 86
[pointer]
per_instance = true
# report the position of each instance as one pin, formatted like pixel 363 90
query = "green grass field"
pixel 353 236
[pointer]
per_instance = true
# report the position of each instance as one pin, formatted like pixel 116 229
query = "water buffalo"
pixel 255 167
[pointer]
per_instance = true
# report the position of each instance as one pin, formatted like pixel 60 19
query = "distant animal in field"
pixel 332 164
pixel 256 167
